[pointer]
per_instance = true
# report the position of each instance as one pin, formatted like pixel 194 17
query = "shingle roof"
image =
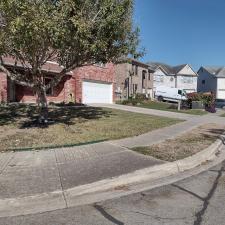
pixel 170 70
pixel 218 71
pixel 179 68
pixel 51 67
pixel 166 68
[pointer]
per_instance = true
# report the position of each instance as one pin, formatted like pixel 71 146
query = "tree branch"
pixel 14 76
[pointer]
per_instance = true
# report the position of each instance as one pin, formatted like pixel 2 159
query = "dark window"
pixel 143 78
pixel 136 70
pixel 49 92
pixel 135 86
pixel 203 81
pixel 149 76
pixel 179 92
pixel 133 68
pixel 126 83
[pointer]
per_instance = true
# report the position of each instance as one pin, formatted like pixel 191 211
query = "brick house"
pixel 131 78
pixel 89 84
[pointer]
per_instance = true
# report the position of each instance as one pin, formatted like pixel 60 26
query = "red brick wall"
pixel 69 89
pixel 94 73
pixel 3 87
pixel 60 92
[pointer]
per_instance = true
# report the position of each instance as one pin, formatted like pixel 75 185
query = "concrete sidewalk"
pixel 146 111
pixel 36 172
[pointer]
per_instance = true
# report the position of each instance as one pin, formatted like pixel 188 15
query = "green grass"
pixel 170 107
pixel 72 126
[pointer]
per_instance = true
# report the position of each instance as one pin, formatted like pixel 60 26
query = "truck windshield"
pixel 182 92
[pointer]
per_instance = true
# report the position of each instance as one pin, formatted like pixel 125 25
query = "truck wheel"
pixel 160 98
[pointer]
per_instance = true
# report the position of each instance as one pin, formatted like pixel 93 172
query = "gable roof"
pixel 51 67
pixel 170 70
pixel 164 67
pixel 178 68
pixel 217 71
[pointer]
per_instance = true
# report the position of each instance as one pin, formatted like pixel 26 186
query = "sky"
pixel 182 31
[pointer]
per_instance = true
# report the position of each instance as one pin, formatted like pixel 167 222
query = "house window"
pixel 143 78
pixel 135 86
pixel 126 83
pixel 203 81
pixel 136 70
pixel 158 78
pixel 149 76
pixel 188 80
pixel 49 92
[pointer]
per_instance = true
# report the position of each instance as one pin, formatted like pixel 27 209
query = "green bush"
pixel 140 97
pixel 207 98
pixel 130 101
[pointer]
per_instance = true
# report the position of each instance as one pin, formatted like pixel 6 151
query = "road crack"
pixel 199 215
pixel 107 215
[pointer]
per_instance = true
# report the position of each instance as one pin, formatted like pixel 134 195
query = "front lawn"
pixel 185 145
pixel 172 107
pixel 71 126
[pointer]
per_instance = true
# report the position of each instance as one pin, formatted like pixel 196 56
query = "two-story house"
pixel 133 77
pixel 212 79
pixel 89 84
pixel 181 76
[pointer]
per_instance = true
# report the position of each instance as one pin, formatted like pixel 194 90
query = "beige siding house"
pixel 181 76
pixel 131 78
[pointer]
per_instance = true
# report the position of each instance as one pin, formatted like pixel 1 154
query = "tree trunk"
pixel 42 105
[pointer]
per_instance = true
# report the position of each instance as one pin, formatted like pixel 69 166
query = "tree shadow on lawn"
pixel 26 116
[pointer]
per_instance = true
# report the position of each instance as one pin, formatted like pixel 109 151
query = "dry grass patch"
pixel 71 126
pixel 184 146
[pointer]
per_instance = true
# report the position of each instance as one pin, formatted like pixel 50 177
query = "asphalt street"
pixel 198 200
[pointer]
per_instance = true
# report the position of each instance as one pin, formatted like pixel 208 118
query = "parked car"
pixel 170 94
pixel 220 103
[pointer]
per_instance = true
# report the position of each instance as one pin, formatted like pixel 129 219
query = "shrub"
pixel 140 97
pixel 130 101
pixel 208 99
pixel 194 96
pixel 125 102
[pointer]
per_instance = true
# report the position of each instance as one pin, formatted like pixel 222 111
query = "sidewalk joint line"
pixel 9 160
pixel 60 178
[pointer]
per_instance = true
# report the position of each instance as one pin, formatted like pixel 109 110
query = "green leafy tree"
pixel 74 33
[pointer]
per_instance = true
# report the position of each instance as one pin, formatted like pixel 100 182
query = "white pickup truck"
pixel 170 94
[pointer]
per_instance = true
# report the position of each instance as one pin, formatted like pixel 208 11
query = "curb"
pixel 134 182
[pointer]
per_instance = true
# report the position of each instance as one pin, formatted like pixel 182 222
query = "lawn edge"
pixel 52 146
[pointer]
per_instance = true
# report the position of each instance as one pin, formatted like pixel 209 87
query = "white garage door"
pixel 93 92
